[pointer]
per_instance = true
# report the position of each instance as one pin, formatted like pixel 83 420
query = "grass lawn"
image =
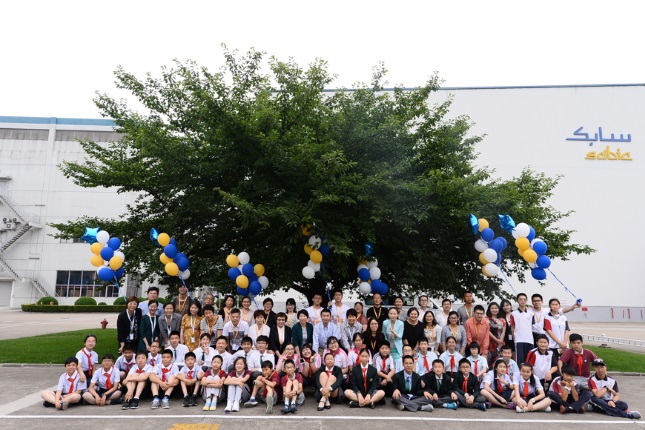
pixel 55 348
pixel 620 361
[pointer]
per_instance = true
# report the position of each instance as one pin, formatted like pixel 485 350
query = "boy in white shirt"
pixel 251 357
pixel 136 381
pixel 384 365
pixel 70 386
pixel 425 357
pixel 221 349
pixel 154 357
pixel 164 377
pixel 189 377
pixel 235 330
pixel 104 387
pixel 204 354
pixel 178 350
pixel 338 309
pixel 262 343
pixel 125 362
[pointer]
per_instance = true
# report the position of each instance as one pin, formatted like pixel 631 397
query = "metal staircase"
pixel 23 230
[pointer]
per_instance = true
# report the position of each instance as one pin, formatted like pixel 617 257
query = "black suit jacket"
pixel 357 383
pixel 431 384
pixel 274 339
pixel 336 371
pixel 270 319
pixel 472 386
pixel 398 383
pixel 123 326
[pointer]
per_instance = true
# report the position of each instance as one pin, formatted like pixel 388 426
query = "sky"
pixel 56 55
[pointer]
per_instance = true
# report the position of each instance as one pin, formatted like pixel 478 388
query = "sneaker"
pixel 563 410
pixel 588 407
pixel 64 406
pixel 488 405
pixel 186 402
pixel 480 406
pixel 165 403
pixel 236 407
pixel 427 408
pixel 126 405
pixel 135 404
pixel 285 409
pixel 269 404
pixel 635 415
pixel 400 406
pixel 213 405
pixel 519 410
pixel 193 400
pixel 353 404
pixel 547 409
pixel 293 408
pixel 229 407
pixel 207 406
pixel 252 402
pixel 47 404
pixel 116 401
pixel 155 403
pixel 510 405
pixel 453 406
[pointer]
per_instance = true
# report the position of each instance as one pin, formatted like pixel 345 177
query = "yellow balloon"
pixel 164 258
pixel 163 239
pixel 530 256
pixel 96 260
pixel 258 270
pixel 307 230
pixel 522 243
pixel 520 251
pixel 308 249
pixel 315 256
pixel 96 248
pixel 232 260
pixel 242 281
pixel 482 224
pixel 482 259
pixel 115 263
pixel 172 269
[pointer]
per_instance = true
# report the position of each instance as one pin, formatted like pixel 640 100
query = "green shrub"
pixel 162 301
pixel 120 301
pixel 87 301
pixel 48 300
pixel 102 304
pixel 71 308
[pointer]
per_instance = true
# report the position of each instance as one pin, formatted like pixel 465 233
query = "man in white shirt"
pixel 315 309
pixel 153 293
pixel 235 330
pixel 349 329
pixel 323 330
pixel 442 316
pixel 338 309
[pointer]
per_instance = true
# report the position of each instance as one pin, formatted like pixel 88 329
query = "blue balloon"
pixel 106 274
pixel 324 249
pixel 504 242
pixel 499 259
pixel 377 286
pixel 247 270
pixel 531 235
pixel 487 234
pixel 90 234
pixel 369 249
pixel 255 288
pixel 496 244
pixel 172 241
pixel 180 254
pixel 474 224
pixel 384 288
pixel 154 235
pixel 170 250
pixel 540 248
pixel 233 273
pixel 114 243
pixel 253 277
pixel 538 273
pixel 242 291
pixel 507 223
pixel 107 253
pixel 364 274
pixel 182 263
pixel 543 262
pixel 120 272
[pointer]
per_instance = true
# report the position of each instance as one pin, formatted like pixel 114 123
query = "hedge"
pixel 86 301
pixel 47 300
pixel 72 308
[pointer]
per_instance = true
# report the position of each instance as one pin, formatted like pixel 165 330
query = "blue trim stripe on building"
pixel 58 121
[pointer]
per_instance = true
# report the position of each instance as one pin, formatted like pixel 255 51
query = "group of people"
pixel 421 360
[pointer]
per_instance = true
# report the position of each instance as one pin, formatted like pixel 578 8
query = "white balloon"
pixel 264 281
pixel 490 255
pixel 531 265
pixel 491 269
pixel 362 266
pixel 314 242
pixel 244 257
pixel 308 272
pixel 102 237
pixel 537 239
pixel 375 273
pixel 315 266
pixel 372 263
pixel 514 234
pixel 120 255
pixel 185 274
pixel 481 245
pixel 365 288
pixel 522 229
pixel 240 267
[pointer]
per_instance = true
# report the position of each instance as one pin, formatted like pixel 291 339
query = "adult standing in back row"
pixel 377 311
pixel 466 311
pixel 522 321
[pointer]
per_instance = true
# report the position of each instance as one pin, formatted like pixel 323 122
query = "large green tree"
pixel 240 159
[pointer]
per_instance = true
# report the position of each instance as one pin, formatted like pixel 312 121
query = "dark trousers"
pixel 583 397
pixel 601 405
pixel 462 400
pixel 521 351
pixel 413 404
pixel 442 400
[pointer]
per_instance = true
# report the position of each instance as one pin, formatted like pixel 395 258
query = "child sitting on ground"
pixel 104 387
pixel 70 386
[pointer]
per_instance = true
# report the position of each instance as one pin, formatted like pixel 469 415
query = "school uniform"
pixel 235 334
pixel 300 337
pixel 153 361
pixel 354 357
pixel 441 386
pixel 462 385
pixel 191 374
pixel 237 393
pixel 219 393
pixel 296 361
pixel 323 332
pixel 478 365
pixel 165 329
pixel 541 363
pixel 364 380
pixel 265 356
pixel 70 384
pixel 104 381
pixel 146 369
pixel 164 373
pixel 559 326
pixel 178 354
pixel 227 359
pixel 252 359
pixel 512 369
pixel 383 365
pixel 424 362
pixel 87 360
pixel 300 398
pixel 580 362
pixel 522 323
pixel 529 389
pixel 124 366
pixel 412 393
pixel 451 361
pixel 277 388
pixel 340 358
pixel 206 356
pixel 600 404
pixel 556 389
pixel 499 388
pixel 334 371
pixel 278 338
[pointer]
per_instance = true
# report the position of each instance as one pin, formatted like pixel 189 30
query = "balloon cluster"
pixel 249 279
pixel 316 250
pixel 532 250
pixel 106 255
pixel 490 248
pixel 369 276
pixel 176 263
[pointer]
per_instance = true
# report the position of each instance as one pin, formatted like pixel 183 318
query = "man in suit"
pixel 168 322
pixel 439 384
pixel 280 334
pixel 465 386
pixel 327 382
pixel 408 391
pixel 364 388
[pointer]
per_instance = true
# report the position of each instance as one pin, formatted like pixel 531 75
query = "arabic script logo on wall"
pixel 607 153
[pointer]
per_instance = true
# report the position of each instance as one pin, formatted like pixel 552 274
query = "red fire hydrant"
pixel 104 324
